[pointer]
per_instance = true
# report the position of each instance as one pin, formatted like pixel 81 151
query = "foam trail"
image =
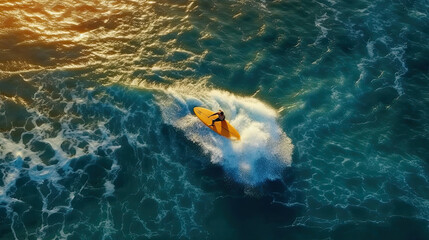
pixel 319 24
pixel 264 149
pixel 398 55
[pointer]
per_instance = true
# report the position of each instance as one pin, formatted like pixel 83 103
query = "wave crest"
pixel 264 149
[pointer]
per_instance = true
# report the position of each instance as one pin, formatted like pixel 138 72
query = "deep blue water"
pixel 98 139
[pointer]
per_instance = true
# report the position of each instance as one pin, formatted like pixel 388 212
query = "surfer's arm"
pixel 214 114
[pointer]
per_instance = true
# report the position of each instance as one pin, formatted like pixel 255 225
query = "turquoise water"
pixel 98 139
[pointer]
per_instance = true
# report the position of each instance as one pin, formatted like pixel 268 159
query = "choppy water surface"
pixel 98 139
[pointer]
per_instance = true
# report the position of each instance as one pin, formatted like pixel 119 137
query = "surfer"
pixel 221 117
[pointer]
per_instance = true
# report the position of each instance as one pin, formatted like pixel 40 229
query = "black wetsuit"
pixel 220 118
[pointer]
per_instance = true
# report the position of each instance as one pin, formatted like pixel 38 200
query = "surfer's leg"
pixel 215 120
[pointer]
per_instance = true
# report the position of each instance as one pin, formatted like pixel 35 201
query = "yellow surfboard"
pixel 222 128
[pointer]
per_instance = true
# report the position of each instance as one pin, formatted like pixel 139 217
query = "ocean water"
pixel 98 139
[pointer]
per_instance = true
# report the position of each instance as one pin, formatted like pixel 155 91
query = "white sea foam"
pixel 370 48
pixel 324 30
pixel 264 149
pixel 24 159
pixel 398 55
